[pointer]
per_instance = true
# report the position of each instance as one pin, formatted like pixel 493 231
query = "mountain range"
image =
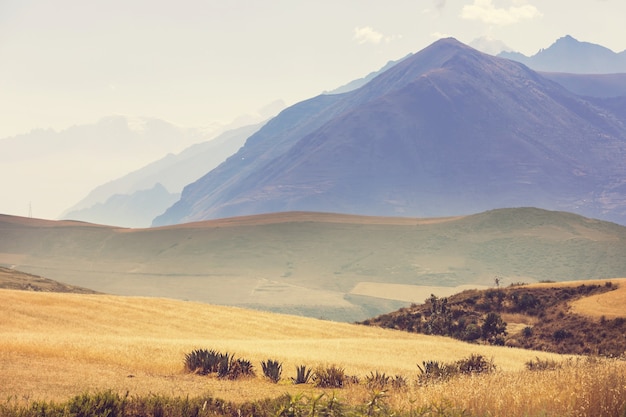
pixel 572 56
pixel 446 131
pixel 53 168
pixel 136 198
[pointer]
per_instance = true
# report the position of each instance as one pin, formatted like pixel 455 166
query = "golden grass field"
pixel 611 304
pixel 55 345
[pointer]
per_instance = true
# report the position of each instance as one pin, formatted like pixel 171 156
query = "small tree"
pixel 440 319
pixel 493 329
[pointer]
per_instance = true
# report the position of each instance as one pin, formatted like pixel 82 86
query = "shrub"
pixel 303 375
pixel 399 382
pixel 493 329
pixel 377 381
pixel 475 364
pixel 527 331
pixel 542 364
pixel 471 332
pixel 561 334
pixel 105 403
pixel 272 370
pixel 432 371
pixel 329 377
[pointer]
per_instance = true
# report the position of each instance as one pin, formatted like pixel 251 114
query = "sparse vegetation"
pixel 594 388
pixel 225 365
pixel 539 364
pixel 435 371
pixel 140 365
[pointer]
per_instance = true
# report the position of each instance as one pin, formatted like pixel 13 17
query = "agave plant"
pixel 202 361
pixel 434 370
pixel 225 366
pixel 272 369
pixel 377 381
pixel 303 375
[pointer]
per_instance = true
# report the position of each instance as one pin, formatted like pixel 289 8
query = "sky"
pixel 192 62
pixel 197 62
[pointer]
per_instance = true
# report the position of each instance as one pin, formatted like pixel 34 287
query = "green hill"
pixel 323 265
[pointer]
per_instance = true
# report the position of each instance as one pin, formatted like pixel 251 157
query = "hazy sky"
pixel 191 62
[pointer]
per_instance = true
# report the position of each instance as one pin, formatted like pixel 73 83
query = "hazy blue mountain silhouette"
pixel 447 131
pixel 136 198
pixel 128 210
pixel 572 56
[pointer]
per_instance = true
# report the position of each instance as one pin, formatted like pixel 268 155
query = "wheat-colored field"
pixel 53 346
pixel 611 304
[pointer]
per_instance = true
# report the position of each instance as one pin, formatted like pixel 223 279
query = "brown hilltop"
pixel 587 317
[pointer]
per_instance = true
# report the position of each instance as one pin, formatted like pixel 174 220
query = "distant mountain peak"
pixel 569 55
pixel 449 130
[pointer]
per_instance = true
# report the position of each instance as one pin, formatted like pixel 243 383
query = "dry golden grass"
pixel 611 304
pixel 580 388
pixel 53 346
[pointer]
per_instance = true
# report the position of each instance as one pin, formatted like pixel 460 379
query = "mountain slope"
pixel 447 131
pixel 123 202
pixel 572 56
pixel 591 85
pixel 317 264
pixel 51 165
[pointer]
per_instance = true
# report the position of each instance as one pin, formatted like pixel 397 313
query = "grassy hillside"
pixel 56 346
pixel 322 265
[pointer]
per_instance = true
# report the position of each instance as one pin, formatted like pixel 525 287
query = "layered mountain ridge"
pixel 447 131
pixel 568 54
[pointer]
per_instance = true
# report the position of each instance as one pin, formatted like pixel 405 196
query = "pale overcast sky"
pixel 192 62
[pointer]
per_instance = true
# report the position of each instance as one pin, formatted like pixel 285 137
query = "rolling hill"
pixel 334 266
pixel 447 131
